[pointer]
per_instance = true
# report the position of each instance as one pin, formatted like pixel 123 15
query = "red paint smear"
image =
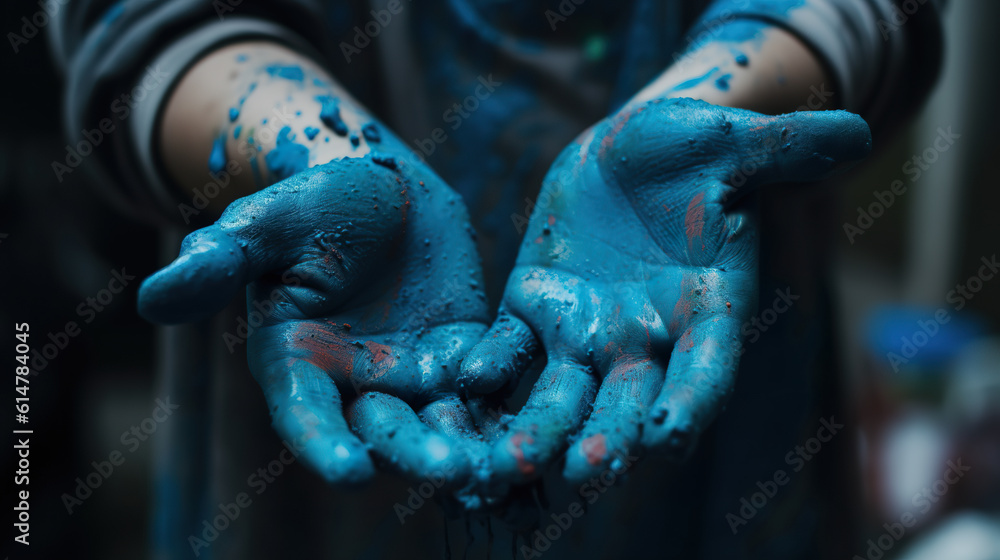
pixel 514 447
pixel 595 449
pixel 327 350
pixel 380 353
pixel 539 239
pixel 609 139
pixel 552 219
pixel 694 220
pixel 684 308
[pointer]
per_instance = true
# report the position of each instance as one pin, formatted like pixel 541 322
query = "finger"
pixel 699 381
pixel 395 434
pixel 741 147
pixel 319 221
pixel 306 412
pixel 211 269
pixel 490 417
pixel 450 417
pixel 612 432
pixel 505 351
pixel 800 146
pixel 557 406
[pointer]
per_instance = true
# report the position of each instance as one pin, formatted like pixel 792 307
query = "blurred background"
pixel 918 299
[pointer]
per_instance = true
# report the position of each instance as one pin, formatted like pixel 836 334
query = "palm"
pixel 367 282
pixel 637 277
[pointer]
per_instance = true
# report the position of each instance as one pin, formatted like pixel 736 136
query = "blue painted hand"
pixel 636 279
pixel 370 283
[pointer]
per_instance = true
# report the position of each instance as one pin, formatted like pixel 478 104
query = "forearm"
pixel 258 112
pixel 749 65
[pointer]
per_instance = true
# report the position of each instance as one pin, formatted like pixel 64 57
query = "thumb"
pixel 211 269
pixel 801 146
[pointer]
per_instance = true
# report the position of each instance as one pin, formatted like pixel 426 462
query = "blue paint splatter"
pixel 355 140
pixel 288 72
pixel 371 133
pixel 237 130
pixel 723 82
pixel 742 59
pixel 234 114
pixel 241 58
pixel 311 132
pixel 329 113
pixel 688 84
pixel 384 160
pixel 287 158
pixel 217 159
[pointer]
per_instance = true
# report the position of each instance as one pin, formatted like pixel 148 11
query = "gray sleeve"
pixel 121 60
pixel 883 55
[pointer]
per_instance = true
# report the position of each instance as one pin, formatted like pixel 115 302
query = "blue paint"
pixel 217 159
pixel 234 114
pixel 723 82
pixel 371 133
pixel 288 157
pixel 311 132
pixel 742 59
pixel 291 72
pixel 355 139
pixel 384 160
pixel 676 274
pixel 688 84
pixel 237 130
pixel 241 58
pixel 372 315
pixel 329 113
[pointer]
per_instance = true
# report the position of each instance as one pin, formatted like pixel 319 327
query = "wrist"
pixel 251 114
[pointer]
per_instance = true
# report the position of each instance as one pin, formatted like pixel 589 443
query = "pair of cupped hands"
pixel 632 284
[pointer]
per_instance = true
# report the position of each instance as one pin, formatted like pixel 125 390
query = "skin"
pixel 363 260
pixel 635 282
pixel 657 355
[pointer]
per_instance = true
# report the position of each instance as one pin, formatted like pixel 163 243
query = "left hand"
pixel 638 276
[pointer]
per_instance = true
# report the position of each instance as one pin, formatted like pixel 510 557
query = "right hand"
pixel 375 292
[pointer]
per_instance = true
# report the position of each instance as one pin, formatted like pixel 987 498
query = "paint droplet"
pixel 234 114
pixel 722 82
pixel 329 113
pixel 371 133
pixel 311 132
pixel 217 159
